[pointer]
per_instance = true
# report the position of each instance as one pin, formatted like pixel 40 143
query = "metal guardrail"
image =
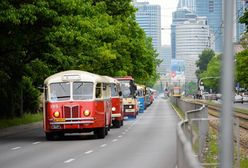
pixel 192 133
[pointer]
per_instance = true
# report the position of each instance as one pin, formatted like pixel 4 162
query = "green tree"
pixel 244 19
pixel 41 37
pixel 204 59
pixel 242 69
pixel 213 70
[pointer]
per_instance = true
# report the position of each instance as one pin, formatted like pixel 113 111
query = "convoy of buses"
pixel 78 101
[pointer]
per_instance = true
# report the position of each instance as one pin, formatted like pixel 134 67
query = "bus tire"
pixel 100 132
pixel 49 136
pixel 117 124
pixel 106 130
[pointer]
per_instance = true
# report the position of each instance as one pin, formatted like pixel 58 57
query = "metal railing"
pixel 192 133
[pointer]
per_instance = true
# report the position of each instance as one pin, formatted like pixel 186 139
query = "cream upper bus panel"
pixel 111 80
pixel 114 86
pixel 74 75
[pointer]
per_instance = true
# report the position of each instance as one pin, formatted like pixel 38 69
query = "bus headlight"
pixel 56 114
pixel 113 108
pixel 86 113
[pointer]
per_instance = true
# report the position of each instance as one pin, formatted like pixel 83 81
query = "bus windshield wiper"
pixel 62 97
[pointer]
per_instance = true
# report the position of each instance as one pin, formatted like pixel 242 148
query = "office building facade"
pixel 149 19
pixel 192 37
pixel 165 56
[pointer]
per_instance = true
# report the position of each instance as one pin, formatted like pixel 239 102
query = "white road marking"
pixel 123 133
pixel 69 160
pixel 35 143
pixel 15 148
pixel 114 140
pixel 120 136
pixel 88 152
pixel 103 145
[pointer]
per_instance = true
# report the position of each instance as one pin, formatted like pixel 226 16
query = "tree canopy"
pixel 213 70
pixel 204 59
pixel 242 68
pixel 42 37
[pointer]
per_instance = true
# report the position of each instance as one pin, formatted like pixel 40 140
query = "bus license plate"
pixel 129 110
pixel 59 119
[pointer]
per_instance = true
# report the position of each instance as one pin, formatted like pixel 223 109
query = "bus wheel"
pixel 100 132
pixel 106 130
pixel 117 124
pixel 49 136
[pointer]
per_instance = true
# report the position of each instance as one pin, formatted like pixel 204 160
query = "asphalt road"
pixel 146 142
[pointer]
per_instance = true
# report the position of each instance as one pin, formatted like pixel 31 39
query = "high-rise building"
pixel 239 28
pixel 148 17
pixel 178 17
pixel 190 4
pixel 165 56
pixel 213 10
pixel 192 37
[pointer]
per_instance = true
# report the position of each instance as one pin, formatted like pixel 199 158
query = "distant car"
pixel 238 98
pixel 245 96
pixel 213 96
pixel 205 95
pixel 218 95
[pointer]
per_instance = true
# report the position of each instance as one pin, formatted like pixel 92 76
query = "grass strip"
pixel 25 119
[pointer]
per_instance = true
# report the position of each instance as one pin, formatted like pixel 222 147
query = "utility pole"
pixel 226 124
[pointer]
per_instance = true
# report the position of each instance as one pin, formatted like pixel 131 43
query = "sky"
pixel 167 7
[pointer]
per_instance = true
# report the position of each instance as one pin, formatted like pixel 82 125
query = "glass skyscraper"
pixel 192 37
pixel 178 17
pixel 240 7
pixel 149 18
pixel 212 9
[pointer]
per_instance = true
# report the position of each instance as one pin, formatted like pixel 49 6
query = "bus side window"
pixel 98 90
pixel 45 93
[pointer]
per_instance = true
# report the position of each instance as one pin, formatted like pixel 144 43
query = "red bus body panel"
pixel 72 119
pixel 118 114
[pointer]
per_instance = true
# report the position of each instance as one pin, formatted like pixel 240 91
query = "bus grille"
pixel 71 111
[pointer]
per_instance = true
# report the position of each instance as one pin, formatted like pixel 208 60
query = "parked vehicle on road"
pixel 141 97
pixel 117 102
pixel 130 103
pixel 238 98
pixel 245 96
pixel 76 101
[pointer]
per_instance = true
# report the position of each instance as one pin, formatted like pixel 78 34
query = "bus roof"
pixel 74 75
pixel 111 80
pixel 124 78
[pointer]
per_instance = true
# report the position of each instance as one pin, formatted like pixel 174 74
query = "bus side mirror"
pixel 41 87
pixel 120 93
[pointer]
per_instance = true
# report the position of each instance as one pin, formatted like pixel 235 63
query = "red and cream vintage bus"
pixel 75 102
pixel 116 98
pixel 130 103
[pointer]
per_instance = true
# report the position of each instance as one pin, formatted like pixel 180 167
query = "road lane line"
pixel 120 136
pixel 15 148
pixel 88 152
pixel 114 140
pixel 103 145
pixel 35 143
pixel 69 160
pixel 123 133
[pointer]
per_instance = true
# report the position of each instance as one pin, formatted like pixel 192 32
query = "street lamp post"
pixel 208 77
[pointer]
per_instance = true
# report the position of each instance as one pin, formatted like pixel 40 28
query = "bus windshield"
pixel 125 88
pixel 114 90
pixel 60 91
pixel 82 90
